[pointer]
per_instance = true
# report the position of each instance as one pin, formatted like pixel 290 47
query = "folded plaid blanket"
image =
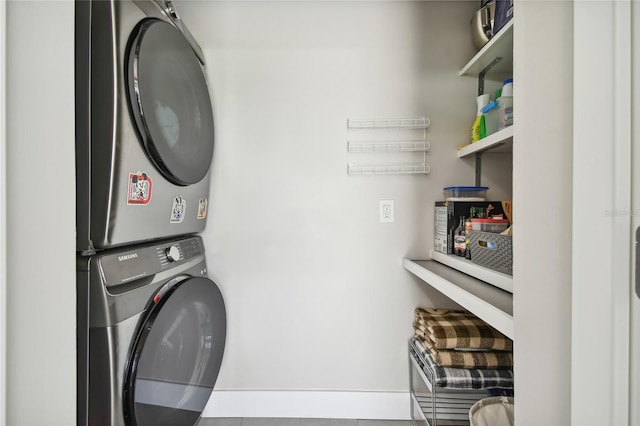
pixel 467 359
pixel 459 378
pixel 457 329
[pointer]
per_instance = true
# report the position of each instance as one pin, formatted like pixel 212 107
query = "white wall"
pixel 40 214
pixel 542 161
pixel 316 294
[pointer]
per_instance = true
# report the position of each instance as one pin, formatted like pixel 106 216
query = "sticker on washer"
pixel 178 209
pixel 202 208
pixel 139 191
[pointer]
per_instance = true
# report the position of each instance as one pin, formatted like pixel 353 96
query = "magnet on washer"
pixel 178 209
pixel 202 208
pixel 139 189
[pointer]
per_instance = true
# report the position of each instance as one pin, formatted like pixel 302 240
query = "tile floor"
pixel 250 421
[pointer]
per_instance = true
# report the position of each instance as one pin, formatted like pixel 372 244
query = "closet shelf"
pixel 500 141
pixel 389 123
pixel 388 169
pixel 495 278
pixel 493 305
pixel 500 46
pixel 389 146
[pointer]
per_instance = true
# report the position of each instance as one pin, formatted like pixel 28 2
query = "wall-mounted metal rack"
pixel 389 169
pixel 371 139
pixel 389 123
pixel 389 146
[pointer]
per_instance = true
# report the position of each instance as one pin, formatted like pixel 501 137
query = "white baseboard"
pixel 309 404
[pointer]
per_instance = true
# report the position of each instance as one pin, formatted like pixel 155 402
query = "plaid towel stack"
pixel 459 378
pixel 461 340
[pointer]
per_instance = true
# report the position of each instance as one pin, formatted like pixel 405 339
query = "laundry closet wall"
pixel 40 209
pixel 319 306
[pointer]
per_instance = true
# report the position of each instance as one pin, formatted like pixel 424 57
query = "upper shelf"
pixel 500 141
pixel 500 46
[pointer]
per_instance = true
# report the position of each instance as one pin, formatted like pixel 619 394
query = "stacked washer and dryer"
pixel 151 325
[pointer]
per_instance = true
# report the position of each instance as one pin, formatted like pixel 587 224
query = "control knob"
pixel 172 253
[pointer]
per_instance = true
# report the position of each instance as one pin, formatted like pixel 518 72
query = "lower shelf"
pixel 493 305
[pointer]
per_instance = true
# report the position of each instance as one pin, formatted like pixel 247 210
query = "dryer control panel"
pixel 131 264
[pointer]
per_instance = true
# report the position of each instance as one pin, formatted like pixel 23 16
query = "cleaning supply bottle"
pixel 505 105
pixel 478 130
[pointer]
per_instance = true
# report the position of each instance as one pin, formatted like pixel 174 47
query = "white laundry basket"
pixel 493 411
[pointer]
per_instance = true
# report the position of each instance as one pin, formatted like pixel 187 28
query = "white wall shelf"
pixel 389 146
pixel 388 169
pixel 493 305
pixel 498 279
pixel 500 46
pixel 500 141
pixel 389 123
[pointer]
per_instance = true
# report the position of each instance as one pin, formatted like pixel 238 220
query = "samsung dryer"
pixel 145 131
pixel 151 335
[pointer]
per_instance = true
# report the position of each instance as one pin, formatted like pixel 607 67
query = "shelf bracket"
pixel 481 75
pixel 484 71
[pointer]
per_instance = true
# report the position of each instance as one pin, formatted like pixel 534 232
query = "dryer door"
pixel 169 100
pixel 176 355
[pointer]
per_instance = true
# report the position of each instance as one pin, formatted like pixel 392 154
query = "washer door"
pixel 169 101
pixel 176 355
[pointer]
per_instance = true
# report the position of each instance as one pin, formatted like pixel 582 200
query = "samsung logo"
pixel 127 257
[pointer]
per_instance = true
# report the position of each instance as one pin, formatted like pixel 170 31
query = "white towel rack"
pixel 389 146
pixel 389 123
pixel 388 169
pixel 404 138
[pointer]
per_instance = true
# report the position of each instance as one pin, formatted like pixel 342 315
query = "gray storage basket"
pixel 493 251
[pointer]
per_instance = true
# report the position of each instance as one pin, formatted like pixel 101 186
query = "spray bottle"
pixel 478 130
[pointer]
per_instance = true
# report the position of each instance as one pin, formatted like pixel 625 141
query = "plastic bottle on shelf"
pixel 505 105
pixel 490 113
pixel 460 239
pixel 478 130
pixel 468 227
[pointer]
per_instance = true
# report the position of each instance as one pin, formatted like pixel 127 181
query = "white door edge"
pixel 3 210
pixel 634 385
pixel 601 217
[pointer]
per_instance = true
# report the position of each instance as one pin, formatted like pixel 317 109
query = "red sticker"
pixel 139 191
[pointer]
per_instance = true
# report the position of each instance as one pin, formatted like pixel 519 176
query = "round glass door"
pixel 170 102
pixel 176 355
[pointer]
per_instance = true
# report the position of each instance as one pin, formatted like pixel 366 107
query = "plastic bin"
pixel 489 225
pixel 491 250
pixel 465 193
